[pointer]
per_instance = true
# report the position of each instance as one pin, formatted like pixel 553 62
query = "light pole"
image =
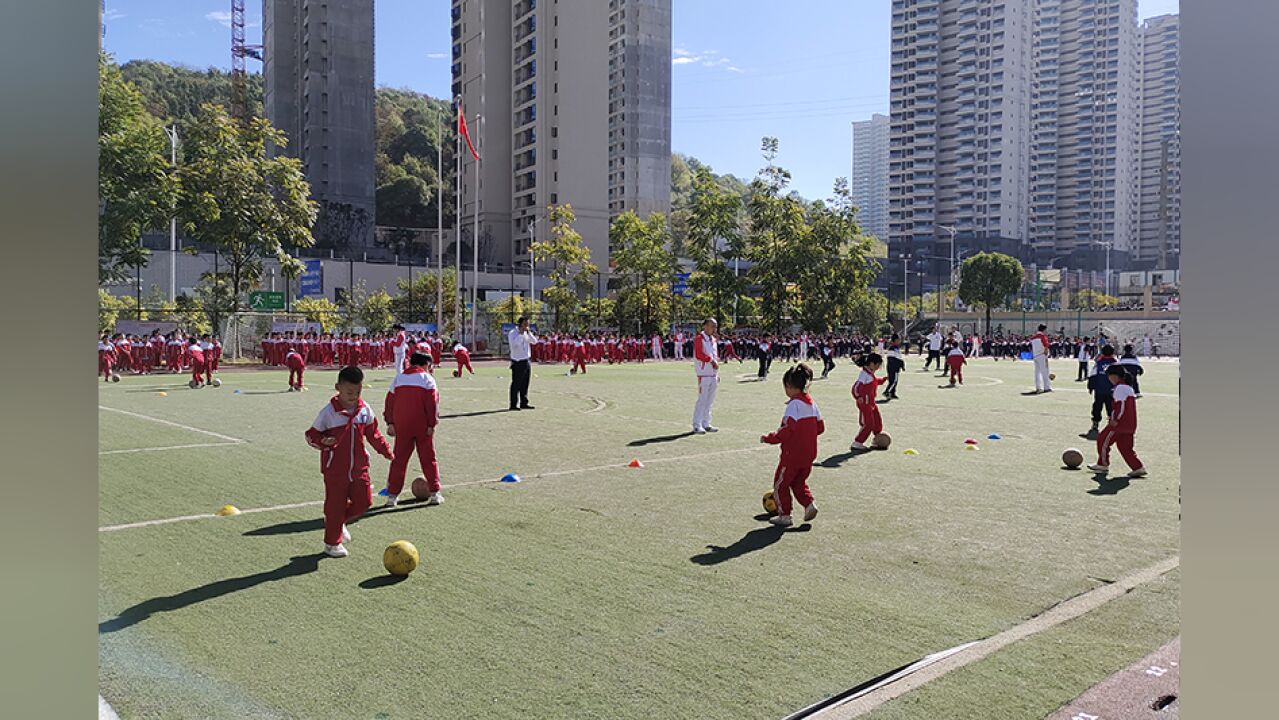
pixel 1108 244
pixel 172 132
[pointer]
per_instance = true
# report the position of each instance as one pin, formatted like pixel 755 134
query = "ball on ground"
pixel 193 384
pixel 883 441
pixel 420 489
pixel 770 503
pixel 1072 458
pixel 1052 376
pixel 217 382
pixel 115 377
pixel 400 558
pixel 457 373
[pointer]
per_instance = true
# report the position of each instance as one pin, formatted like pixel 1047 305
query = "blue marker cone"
pixel 237 392
pixel 993 436
pixel 382 492
pixel 510 478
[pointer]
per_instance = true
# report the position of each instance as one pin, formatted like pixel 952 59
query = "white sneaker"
pixel 781 520
pixel 436 498
pixel 346 534
pixel 699 431
pixel 711 428
pixel 810 512
pixel 335 550
pixel 392 501
pixel 857 446
pixel 1099 469
pixel 1138 473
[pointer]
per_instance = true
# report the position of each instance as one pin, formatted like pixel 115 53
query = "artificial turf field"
pixel 593 590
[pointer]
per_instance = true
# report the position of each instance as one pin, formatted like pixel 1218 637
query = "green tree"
pixel 572 273
pixel 375 311
pixel 713 235
pixel 1089 298
pixel 776 227
pixel 236 198
pixel 645 267
pixel 989 278
pixel 137 188
pixel 415 302
pixel 321 310
pixel 833 269
pixel 511 308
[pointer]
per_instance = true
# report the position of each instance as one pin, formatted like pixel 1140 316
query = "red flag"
pixel 461 127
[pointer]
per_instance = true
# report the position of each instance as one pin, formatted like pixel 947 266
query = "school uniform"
pixel 865 388
pixel 1039 354
pixel 705 362
pixel 1133 366
pixel 801 424
pixel 297 366
pixel 1121 430
pixel 412 407
pixel 345 464
pixel 955 362
pixel 895 364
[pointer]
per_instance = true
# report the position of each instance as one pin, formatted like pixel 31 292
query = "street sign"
pixel 680 286
pixel 311 282
pixel 265 300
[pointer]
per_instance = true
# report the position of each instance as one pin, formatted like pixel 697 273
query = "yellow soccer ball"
pixel 400 558
pixel 770 503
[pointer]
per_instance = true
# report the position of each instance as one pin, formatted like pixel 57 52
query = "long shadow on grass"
pixel 835 461
pixel 477 413
pixel 756 539
pixel 317 524
pixel 297 565
pixel 660 439
pixel 381 581
pixel 1109 486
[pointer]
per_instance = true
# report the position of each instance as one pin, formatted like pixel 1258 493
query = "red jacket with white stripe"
pixel 705 352
pixel 347 458
pixel 865 389
pixel 1042 349
pixel 412 402
pixel 801 424
pixel 1124 412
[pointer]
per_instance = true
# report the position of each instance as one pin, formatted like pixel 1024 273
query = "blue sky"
pixel 800 70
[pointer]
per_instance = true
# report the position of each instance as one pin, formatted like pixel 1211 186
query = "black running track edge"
pixel 840 697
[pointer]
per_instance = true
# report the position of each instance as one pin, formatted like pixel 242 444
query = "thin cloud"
pixel 437 56
pixel 113 14
pixel 705 58
pixel 219 16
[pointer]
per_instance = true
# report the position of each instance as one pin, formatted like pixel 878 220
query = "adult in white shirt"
pixel 706 366
pixel 679 346
pixel 521 340
pixel 934 349
pixel 657 346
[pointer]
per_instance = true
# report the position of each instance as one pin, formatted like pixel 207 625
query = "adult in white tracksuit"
pixel 679 346
pixel 1039 354
pixel 657 347
pixel 706 366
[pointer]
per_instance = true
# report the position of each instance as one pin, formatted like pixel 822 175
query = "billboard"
pixel 311 282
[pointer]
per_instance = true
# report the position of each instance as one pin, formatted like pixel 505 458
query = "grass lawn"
pixel 592 590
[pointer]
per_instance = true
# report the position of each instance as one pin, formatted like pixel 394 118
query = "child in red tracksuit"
pixel 864 391
pixel 955 361
pixel 412 411
pixel 297 366
pixel 1122 427
pixel 463 358
pixel 196 353
pixel 801 424
pixel 579 357
pixel 339 433
pixel 106 357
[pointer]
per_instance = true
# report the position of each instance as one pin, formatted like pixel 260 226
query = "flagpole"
pixel 475 232
pixel 439 224
pixel 457 227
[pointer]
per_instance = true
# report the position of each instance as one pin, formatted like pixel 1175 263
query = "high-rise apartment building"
pixel 639 106
pixel 1085 124
pixel 318 89
pixel 960 131
pixel 1159 241
pixel 574 107
pixel 869 184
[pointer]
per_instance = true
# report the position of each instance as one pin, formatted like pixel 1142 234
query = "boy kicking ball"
pixel 339 433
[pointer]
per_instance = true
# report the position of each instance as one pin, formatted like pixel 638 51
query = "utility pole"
pixel 439 228
pixel 172 132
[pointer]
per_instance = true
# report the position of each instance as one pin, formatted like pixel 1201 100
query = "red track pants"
pixel 789 481
pixel 1123 441
pixel 404 447
pixel 870 422
pixel 344 500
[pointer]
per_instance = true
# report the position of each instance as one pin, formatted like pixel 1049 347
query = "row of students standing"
pixel 142 356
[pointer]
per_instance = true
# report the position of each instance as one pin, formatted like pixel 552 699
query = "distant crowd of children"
pixel 174 353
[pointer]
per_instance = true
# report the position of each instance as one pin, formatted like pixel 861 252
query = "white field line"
pixel 466 483
pixel 210 433
pixel 167 447
pixel 105 711
pixel 1070 609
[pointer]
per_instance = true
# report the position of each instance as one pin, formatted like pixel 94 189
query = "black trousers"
pixel 520 373
pixel 891 389
pixel 764 362
pixel 828 364
pixel 1083 370
pixel 1100 401
pixel 933 355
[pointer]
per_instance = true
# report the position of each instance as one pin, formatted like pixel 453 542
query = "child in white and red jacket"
pixel 865 388
pixel 339 432
pixel 463 358
pixel 1122 427
pixel 106 357
pixel 801 424
pixel 412 412
pixel 297 367
pixel 955 361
